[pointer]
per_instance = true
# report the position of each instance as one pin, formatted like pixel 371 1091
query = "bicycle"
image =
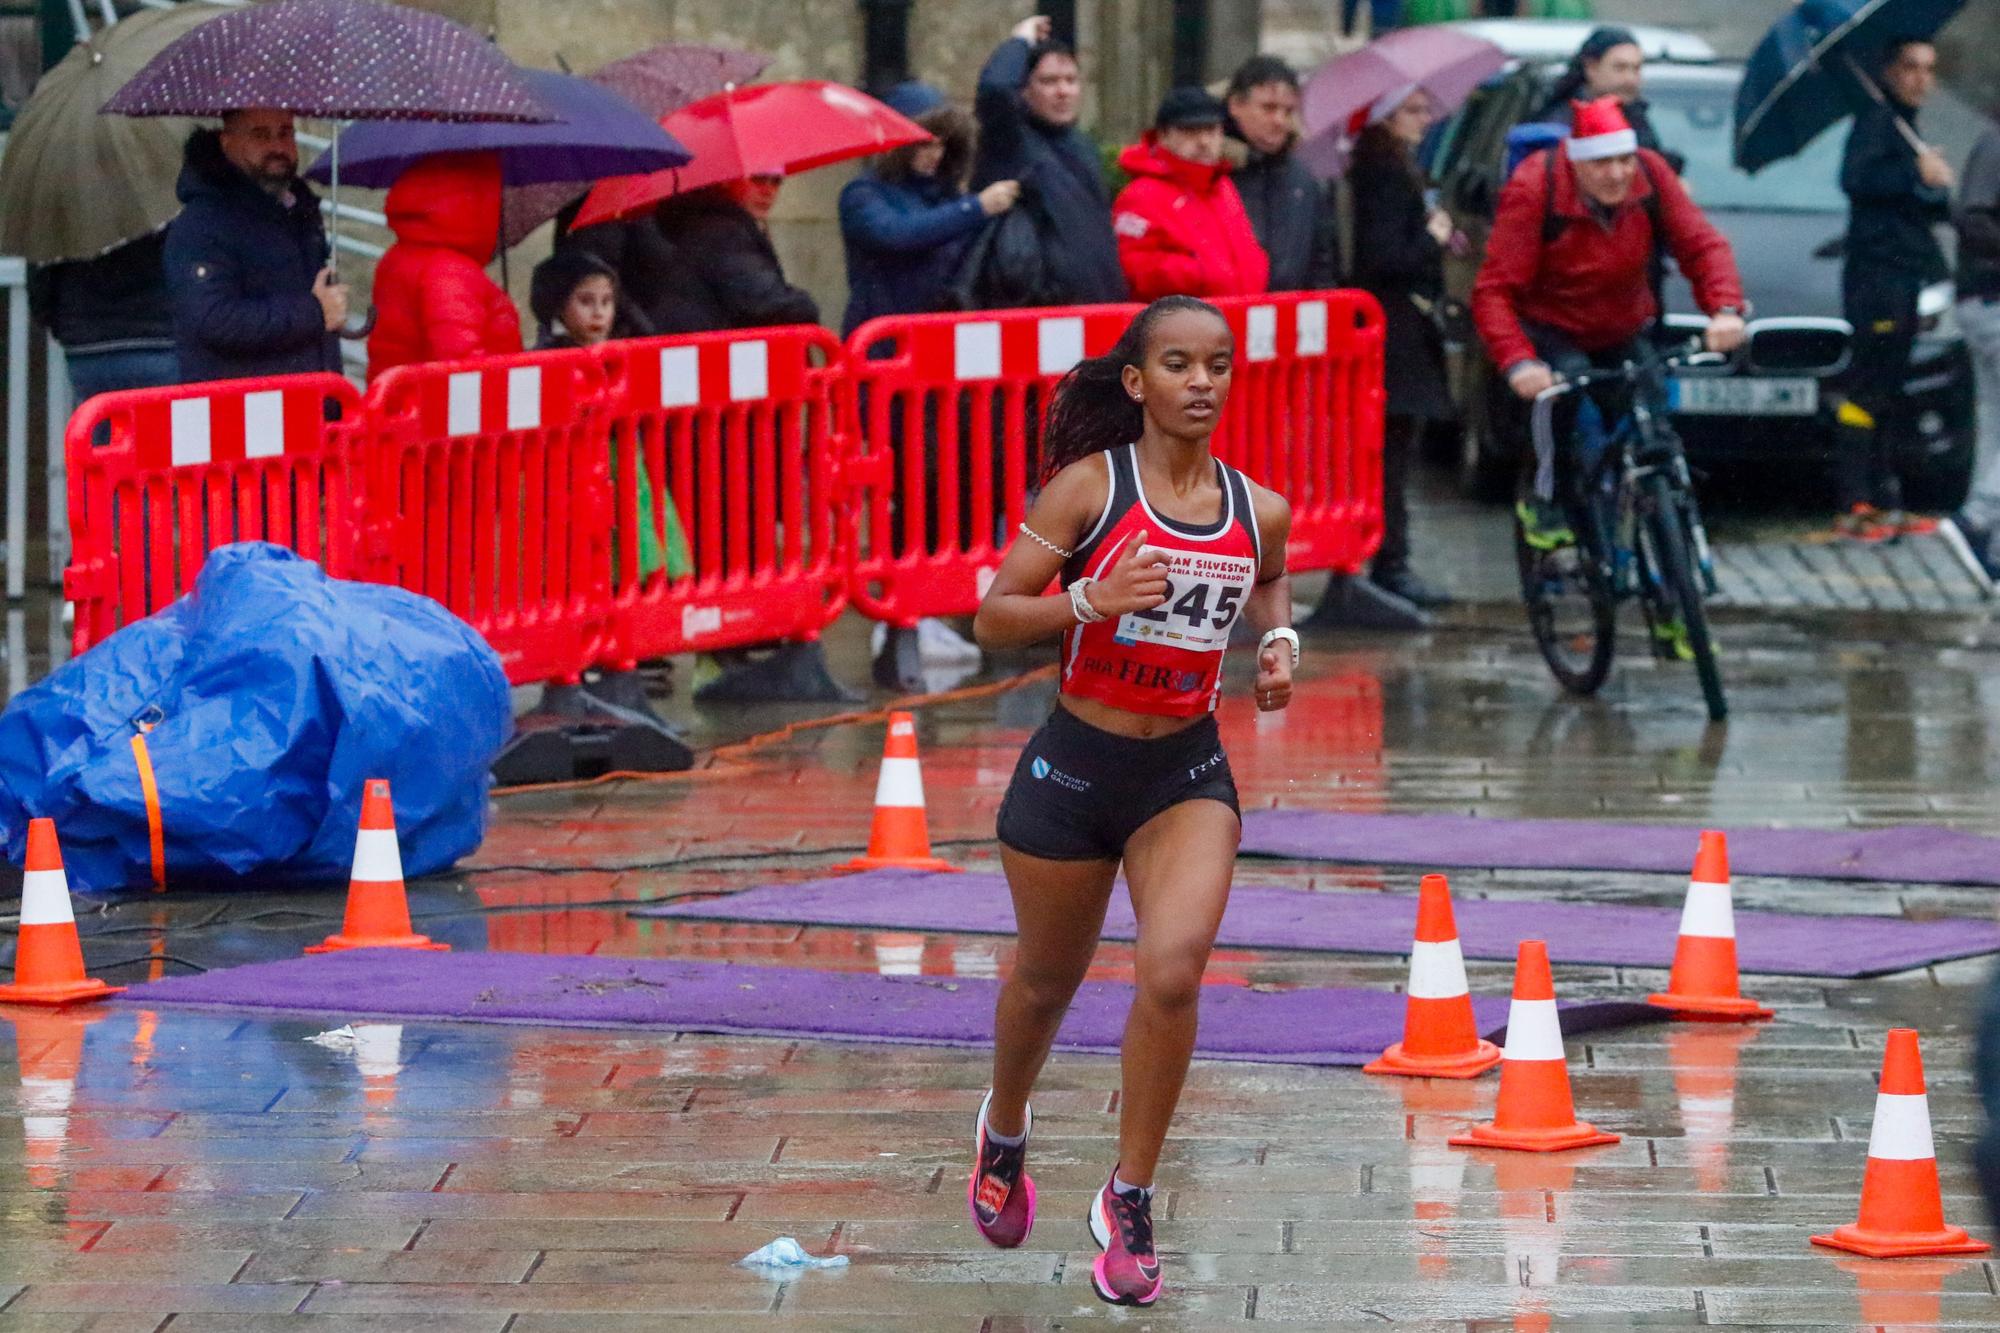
pixel 1639 536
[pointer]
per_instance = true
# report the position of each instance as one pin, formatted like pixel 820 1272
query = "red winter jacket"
pixel 1591 280
pixel 1182 230
pixel 433 300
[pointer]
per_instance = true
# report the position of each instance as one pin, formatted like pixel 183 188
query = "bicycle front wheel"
pixel 1571 612
pixel 1667 524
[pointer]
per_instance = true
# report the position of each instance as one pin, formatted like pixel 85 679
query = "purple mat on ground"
pixel 1312 1027
pixel 1357 921
pixel 1906 854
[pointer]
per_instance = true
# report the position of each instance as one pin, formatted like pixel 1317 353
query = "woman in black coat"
pixel 1400 241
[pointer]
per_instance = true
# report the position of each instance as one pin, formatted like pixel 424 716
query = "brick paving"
pixel 181 1171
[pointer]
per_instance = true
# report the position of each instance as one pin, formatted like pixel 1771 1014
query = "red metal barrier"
pixel 488 490
pixel 1305 418
pixel 183 470
pixel 741 435
pixel 968 392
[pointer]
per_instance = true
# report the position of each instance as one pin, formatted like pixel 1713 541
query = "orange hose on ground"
pixel 726 760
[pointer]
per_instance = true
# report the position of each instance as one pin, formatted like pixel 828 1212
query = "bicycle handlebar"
pixel 1688 352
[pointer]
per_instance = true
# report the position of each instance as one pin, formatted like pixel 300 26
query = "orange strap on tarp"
pixel 156 832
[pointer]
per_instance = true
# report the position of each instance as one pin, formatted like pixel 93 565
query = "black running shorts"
pixel 1079 792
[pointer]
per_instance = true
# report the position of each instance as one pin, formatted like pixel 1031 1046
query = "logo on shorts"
pixel 1044 770
pixel 1194 774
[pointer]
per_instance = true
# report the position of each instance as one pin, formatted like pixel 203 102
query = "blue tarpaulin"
pixel 271 693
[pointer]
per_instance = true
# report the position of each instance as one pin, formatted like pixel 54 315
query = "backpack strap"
pixel 1553 223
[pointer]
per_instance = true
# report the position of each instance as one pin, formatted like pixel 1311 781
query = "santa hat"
pixel 1601 131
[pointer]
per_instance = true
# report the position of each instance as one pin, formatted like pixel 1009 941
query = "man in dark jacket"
pixel 1977 217
pixel 1897 196
pixel 246 260
pixel 1289 209
pixel 1030 96
pixel 1609 63
pixel 112 316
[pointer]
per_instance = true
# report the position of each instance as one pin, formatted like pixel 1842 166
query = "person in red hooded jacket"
pixel 433 300
pixel 1181 226
pixel 1567 284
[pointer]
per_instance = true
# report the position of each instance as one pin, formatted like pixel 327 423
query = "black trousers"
pixel 1882 307
pixel 1400 435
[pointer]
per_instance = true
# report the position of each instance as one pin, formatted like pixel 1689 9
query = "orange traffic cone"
pixel 1902 1208
pixel 378 915
pixel 900 838
pixel 48 960
pixel 1440 1037
pixel 49 1049
pixel 1534 1113
pixel 1703 983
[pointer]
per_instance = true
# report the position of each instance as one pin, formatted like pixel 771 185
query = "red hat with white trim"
pixel 1601 131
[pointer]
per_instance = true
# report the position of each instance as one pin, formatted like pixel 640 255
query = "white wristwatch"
pixel 1290 636
pixel 1079 602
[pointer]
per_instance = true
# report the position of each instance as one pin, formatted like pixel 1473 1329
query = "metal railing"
pixel 20 449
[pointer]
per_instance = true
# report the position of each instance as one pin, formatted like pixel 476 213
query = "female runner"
pixel 1160 548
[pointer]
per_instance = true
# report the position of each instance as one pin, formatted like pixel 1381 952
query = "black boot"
pixel 1353 602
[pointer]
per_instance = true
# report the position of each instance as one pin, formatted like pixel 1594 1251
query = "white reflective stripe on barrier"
pixel 680 376
pixel 1707 912
pixel 1311 317
pixel 1261 323
pixel 1902 1131
pixel 749 371
pixel 1533 1031
pixel 900 785
pixel 524 397
pixel 1437 970
pixel 1059 344
pixel 377 859
pixel 188 421
pixel 976 351
pixel 461 403
pixel 45 899
pixel 264 424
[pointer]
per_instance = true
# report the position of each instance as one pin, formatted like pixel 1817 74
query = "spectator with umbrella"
pixel 248 261
pixel 1976 215
pixel 86 199
pixel 435 301
pixel 1822 62
pixel 1400 241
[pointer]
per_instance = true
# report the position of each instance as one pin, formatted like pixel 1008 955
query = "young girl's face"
pixel 591 307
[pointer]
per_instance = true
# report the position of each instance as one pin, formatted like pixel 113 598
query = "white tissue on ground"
pixel 785 1252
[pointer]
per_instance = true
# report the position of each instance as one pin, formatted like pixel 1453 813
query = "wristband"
pixel 1290 636
pixel 1079 602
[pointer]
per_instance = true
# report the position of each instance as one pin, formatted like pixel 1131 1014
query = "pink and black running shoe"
pixel 1128 1272
pixel 1001 1192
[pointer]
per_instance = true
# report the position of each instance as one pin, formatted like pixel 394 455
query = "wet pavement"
pixel 203 1171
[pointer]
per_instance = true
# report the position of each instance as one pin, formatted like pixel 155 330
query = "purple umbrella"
pixel 1443 62
pixel 336 59
pixel 659 80
pixel 596 134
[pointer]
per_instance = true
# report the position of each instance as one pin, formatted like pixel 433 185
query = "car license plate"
pixel 1745 397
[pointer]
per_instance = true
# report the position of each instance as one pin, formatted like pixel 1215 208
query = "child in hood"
pixel 574 297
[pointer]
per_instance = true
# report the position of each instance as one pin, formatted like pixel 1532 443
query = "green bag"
pixel 1435 11
pixel 1562 9
pixel 654 555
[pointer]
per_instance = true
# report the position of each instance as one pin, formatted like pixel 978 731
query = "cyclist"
pixel 1564 286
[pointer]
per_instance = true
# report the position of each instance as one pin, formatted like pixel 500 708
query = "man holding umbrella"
pixel 1899 193
pixel 246 259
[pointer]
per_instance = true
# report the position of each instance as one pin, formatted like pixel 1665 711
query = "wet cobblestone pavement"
pixel 205 1172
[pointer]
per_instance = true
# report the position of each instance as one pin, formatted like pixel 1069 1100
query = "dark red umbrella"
pixel 658 80
pixel 773 129
pixel 336 59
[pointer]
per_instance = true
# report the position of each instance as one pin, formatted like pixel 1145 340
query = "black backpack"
pixel 1006 267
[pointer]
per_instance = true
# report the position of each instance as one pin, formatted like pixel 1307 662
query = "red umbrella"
pixel 772 129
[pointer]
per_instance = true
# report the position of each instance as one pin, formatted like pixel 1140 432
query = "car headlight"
pixel 1936 313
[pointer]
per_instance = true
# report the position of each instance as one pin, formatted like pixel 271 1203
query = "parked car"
pixel 1770 416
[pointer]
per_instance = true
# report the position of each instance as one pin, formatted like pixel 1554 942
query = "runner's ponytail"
pixel 1090 410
